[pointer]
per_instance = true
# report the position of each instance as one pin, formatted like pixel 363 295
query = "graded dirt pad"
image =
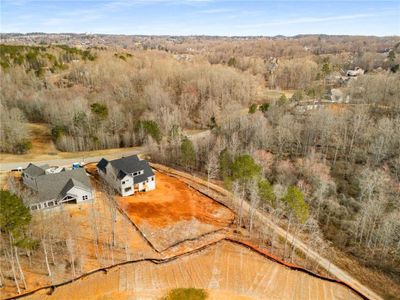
pixel 226 270
pixel 174 212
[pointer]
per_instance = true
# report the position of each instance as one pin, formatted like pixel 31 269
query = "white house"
pixel 127 174
pixel 53 189
pixel 354 73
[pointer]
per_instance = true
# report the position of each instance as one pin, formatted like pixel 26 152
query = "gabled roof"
pixel 121 174
pixel 34 170
pixel 129 165
pixel 71 183
pixel 52 186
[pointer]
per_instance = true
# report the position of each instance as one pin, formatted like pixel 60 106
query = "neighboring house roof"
pixel 34 170
pixel 128 165
pixel 55 186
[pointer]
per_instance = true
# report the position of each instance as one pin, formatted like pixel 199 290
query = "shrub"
pixel 188 154
pixel 282 100
pixel 186 294
pixel 232 62
pixel 99 110
pixel 225 163
pixel 150 128
pixel 266 192
pixel 58 131
pixel 23 147
pixel 264 107
pixel 252 108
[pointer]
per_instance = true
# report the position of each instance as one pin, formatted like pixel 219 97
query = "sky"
pixel 202 17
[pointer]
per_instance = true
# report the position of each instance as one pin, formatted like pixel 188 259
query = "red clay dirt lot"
pixel 225 270
pixel 174 212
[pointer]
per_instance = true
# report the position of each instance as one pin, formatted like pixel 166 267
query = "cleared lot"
pixel 89 227
pixel 174 212
pixel 226 270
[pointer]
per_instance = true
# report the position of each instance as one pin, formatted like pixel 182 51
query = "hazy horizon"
pixel 202 17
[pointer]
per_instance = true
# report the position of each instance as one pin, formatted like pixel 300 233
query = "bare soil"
pixel 167 216
pixel 225 270
pixel 174 212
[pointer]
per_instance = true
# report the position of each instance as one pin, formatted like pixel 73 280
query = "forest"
pixel 331 171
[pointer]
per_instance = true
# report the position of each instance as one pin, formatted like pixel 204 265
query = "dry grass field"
pixel 44 149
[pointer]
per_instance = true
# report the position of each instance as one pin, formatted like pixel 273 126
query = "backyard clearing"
pixel 89 226
pixel 174 212
pixel 225 270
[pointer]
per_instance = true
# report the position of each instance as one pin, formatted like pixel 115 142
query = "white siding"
pixel 111 178
pixel 140 186
pixel 151 183
pixel 80 194
pixel 126 186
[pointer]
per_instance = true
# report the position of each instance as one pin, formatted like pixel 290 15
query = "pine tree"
pixel 295 200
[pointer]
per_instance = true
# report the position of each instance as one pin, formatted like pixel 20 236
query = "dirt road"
pixel 296 243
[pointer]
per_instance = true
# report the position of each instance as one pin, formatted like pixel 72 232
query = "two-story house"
pixel 127 174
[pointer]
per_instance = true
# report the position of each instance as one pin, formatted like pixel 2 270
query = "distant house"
pixel 54 186
pixel 354 73
pixel 127 174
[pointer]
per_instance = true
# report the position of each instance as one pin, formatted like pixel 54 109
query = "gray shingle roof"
pixel 70 184
pixel 132 164
pixel 129 164
pixel 53 186
pixel 34 171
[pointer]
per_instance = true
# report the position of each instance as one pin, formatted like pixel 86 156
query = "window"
pixel 152 178
pixel 123 182
pixel 127 189
pixel 85 197
pixel 50 203
pixel 33 207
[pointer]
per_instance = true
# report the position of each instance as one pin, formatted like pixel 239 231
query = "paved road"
pixel 58 161
pixel 5 167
